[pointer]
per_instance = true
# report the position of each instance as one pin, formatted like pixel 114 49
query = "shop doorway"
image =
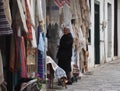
pixel 97 33
pixel 109 52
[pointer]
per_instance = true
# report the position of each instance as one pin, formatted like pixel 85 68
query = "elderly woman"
pixel 65 53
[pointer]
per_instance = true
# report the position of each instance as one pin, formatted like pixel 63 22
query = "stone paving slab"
pixel 103 78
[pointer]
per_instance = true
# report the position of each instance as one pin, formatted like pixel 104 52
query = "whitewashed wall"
pixel 103 32
pixel 118 28
pixel 106 29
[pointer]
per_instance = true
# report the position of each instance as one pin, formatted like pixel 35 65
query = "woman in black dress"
pixel 65 53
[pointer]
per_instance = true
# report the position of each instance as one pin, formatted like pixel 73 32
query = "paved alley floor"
pixel 103 78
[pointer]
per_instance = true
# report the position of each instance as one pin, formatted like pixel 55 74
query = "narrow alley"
pixel 42 40
pixel 103 78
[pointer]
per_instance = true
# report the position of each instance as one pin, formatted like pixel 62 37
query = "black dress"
pixel 65 52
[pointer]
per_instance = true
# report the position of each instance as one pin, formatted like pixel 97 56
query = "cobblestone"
pixel 103 78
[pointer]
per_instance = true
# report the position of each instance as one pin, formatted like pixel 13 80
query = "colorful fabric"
pixel 31 7
pixel 41 64
pixel 4 25
pixel 31 60
pixel 41 56
pixel 14 50
pixel 41 41
pixel 7 11
pixel 61 3
pixel 17 55
pixel 23 61
pixel 28 22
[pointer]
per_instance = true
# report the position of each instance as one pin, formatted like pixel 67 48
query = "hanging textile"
pixel 16 61
pixel 39 10
pixel 31 60
pixel 61 3
pixel 41 14
pixel 31 7
pixel 1 69
pixel 53 40
pixel 85 12
pixel 79 16
pixel 67 14
pixel 53 12
pixel 41 41
pixel 41 54
pixel 5 28
pixel 12 54
pixel 19 6
pixel 43 3
pixel 41 64
pixel 28 22
pixel 23 61
pixel 7 11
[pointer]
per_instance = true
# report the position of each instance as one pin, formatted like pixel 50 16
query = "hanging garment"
pixel 12 54
pixel 21 8
pixel 23 61
pixel 43 3
pixel 28 22
pixel 53 33
pixel 41 44
pixel 31 60
pixel 1 69
pixel 14 50
pixel 41 54
pixel 67 14
pixel 61 3
pixel 7 11
pixel 31 8
pixel 53 40
pixel 41 64
pixel 79 16
pixel 85 12
pixel 39 10
pixel 67 2
pixel 5 28
pixel 41 20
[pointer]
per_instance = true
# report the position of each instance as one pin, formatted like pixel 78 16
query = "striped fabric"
pixel 61 3
pixel 67 2
pixel 41 57
pixel 41 64
pixel 4 25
